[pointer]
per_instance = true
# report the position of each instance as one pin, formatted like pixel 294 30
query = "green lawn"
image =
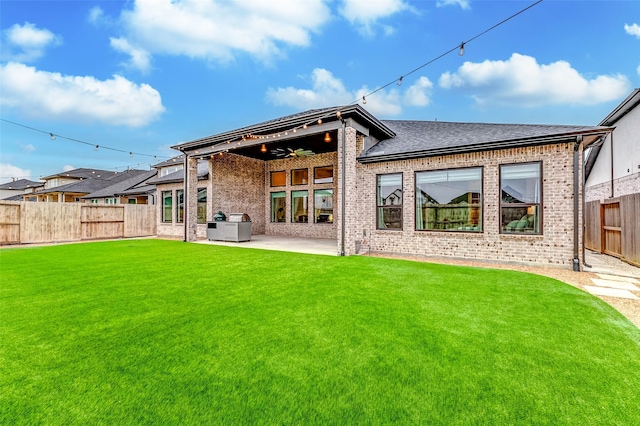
pixel 164 332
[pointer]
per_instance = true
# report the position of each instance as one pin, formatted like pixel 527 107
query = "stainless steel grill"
pixel 236 228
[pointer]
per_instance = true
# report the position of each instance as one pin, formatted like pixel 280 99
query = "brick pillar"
pixel 191 199
pixel 350 193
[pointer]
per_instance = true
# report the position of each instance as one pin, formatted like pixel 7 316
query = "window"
pixel 278 206
pixel 180 205
pixel 94 201
pixel 299 206
pixel 449 200
pixel 279 178
pixel 389 201
pixel 110 201
pixel 132 201
pixel 323 174
pixel 521 200
pixel 171 169
pixel 167 201
pixel 323 206
pixel 299 176
pixel 202 205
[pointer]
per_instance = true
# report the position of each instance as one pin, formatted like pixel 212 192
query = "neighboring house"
pixel 169 184
pixel 133 190
pixel 71 186
pixel 613 167
pixel 18 188
pixel 503 192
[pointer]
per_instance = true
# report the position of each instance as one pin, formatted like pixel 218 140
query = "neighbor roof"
pixel 123 185
pixel 21 184
pixel 82 173
pixel 93 184
pixel 429 138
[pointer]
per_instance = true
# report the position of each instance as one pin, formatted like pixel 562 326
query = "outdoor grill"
pixel 236 228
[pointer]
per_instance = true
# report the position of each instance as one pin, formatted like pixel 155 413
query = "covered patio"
pixel 324 246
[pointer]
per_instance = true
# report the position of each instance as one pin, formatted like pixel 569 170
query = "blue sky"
pixel 142 75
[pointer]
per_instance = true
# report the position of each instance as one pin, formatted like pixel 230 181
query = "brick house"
pixel 501 192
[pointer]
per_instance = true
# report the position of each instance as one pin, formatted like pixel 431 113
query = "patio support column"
pixel 191 199
pixel 347 197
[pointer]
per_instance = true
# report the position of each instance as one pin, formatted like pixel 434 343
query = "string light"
pixel 52 136
pixel 400 80
pixel 461 51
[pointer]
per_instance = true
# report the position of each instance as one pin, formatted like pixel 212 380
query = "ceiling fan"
pixel 281 152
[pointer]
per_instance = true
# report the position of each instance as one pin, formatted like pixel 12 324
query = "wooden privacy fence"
pixel 613 227
pixel 29 222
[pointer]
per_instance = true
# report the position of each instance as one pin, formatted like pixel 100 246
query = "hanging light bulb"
pixel 327 137
pixel 96 148
pixel 52 136
pixel 400 80
pixel 263 148
pixel 338 114
pixel 461 51
pixel 304 127
pixel 364 100
pixel 320 121
pixel 130 154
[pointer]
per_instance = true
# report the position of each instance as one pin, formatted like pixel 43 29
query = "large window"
pixel 521 200
pixel 299 176
pixel 449 200
pixel 167 201
pixel 323 174
pixel 323 206
pixel 299 206
pixel 202 205
pixel 278 206
pixel 180 205
pixel 389 201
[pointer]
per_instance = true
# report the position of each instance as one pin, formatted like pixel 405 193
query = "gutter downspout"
pixel 344 195
pixel 584 205
pixel 576 202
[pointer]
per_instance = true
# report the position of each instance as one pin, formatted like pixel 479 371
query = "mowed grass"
pixel 165 332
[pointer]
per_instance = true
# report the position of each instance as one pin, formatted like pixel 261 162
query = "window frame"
pixel 293 182
pixel 201 218
pixel 272 173
pixel 481 203
pixel 315 215
pixel 401 205
pixel 170 198
pixel 272 214
pixel 293 212
pixel 540 204
pixel 315 179
pixel 179 206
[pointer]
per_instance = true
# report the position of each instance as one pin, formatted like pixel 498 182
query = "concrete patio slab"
pixel 618 278
pixel 611 292
pixel 327 247
pixel 621 285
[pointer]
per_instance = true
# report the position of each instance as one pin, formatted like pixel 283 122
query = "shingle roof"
pixel 21 184
pixel 93 184
pixel 116 188
pixel 170 162
pixel 429 138
pixel 82 173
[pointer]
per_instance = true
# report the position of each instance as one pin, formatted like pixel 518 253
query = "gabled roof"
pixel 170 162
pixel 429 138
pixel 87 186
pixel 630 102
pixel 178 176
pixel 115 189
pixel 361 115
pixel 82 173
pixel 21 184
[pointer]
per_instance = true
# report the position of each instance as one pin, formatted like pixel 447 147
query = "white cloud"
pixel 29 41
pixel 520 80
pixel 364 14
pixel 98 18
pixel 218 30
pixel 8 171
pixel 633 29
pixel 68 168
pixel 465 4
pixel 116 101
pixel 327 90
pixel 28 148
pixel 140 59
